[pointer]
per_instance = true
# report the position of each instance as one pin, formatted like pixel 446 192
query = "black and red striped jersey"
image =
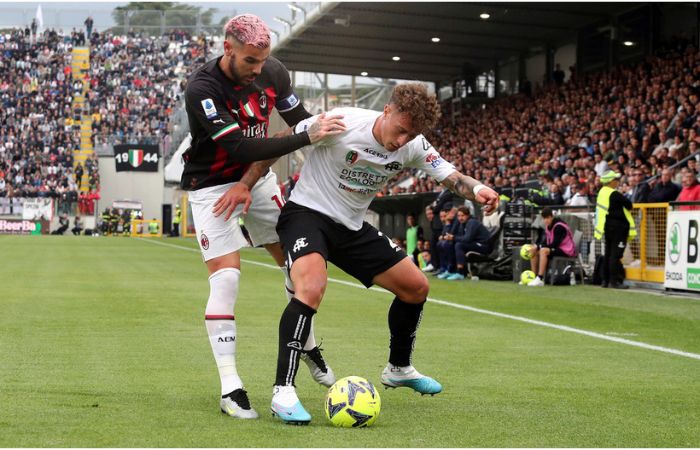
pixel 222 114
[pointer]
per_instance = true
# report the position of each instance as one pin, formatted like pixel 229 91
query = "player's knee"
pixel 223 291
pixel 310 291
pixel 416 291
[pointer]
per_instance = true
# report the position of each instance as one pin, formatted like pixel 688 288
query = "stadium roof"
pixel 351 38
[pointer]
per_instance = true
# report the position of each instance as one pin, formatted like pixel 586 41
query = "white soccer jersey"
pixel 341 176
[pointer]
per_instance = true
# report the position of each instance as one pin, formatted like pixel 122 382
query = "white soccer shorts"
pixel 218 237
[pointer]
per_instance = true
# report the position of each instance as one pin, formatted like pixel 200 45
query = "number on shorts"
pixel 277 200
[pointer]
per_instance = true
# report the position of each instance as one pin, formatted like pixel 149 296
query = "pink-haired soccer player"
pixel 229 101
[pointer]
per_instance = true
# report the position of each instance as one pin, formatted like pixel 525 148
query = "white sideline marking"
pixel 483 311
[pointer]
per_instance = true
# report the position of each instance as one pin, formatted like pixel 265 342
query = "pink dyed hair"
pixel 248 29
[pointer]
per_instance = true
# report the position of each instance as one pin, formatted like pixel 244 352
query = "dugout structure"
pixel 142 228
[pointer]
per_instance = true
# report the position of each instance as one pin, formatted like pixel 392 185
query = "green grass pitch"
pixel 102 344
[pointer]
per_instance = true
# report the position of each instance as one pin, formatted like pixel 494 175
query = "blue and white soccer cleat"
pixel 395 376
pixel 287 407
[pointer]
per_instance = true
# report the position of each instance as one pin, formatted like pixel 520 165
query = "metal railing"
pixel 645 254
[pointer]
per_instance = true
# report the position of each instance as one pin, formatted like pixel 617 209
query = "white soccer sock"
pixel 221 326
pixel 289 290
pixel 288 285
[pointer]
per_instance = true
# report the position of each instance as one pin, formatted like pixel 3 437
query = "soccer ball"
pixel 527 276
pixel 525 251
pixel 352 402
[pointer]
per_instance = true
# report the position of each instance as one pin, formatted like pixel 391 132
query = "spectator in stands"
pixel 580 197
pixel 88 26
pixel 664 190
pixel 690 191
pixel 79 174
pixel 470 236
pixel 557 240
pixel 558 75
pixel 614 220
pixel 638 187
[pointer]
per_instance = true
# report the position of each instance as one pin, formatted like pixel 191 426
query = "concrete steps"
pixel 81 65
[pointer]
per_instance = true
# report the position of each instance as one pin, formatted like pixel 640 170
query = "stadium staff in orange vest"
pixel 229 101
pixel 614 221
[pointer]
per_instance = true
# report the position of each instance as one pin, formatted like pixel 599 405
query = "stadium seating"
pixel 60 99
pixel 567 135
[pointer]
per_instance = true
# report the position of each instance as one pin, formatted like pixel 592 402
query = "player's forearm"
pixel 249 150
pixel 259 168
pixel 461 185
pixel 255 171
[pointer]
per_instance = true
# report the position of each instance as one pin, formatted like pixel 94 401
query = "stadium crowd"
pixel 637 120
pixel 131 77
pixel 37 137
pixel 137 82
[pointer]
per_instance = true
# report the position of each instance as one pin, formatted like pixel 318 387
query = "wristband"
pixel 478 188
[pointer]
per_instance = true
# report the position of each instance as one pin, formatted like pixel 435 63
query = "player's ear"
pixel 228 47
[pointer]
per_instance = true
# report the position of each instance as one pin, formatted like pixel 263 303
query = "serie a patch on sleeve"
pixel 288 103
pixel 209 108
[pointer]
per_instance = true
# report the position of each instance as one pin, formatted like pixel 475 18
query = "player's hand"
pixel 236 195
pixel 489 198
pixel 324 127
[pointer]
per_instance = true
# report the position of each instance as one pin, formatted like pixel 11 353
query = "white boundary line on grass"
pixel 483 311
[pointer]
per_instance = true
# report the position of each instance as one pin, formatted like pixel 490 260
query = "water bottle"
pixel 572 278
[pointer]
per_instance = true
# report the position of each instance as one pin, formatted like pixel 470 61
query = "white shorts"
pixel 218 237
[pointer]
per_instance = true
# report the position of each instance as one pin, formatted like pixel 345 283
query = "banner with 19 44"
pixel 140 158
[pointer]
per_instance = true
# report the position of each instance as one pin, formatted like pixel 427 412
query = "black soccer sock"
pixel 295 325
pixel 404 319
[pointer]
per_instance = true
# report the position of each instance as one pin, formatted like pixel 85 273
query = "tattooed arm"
pixel 471 189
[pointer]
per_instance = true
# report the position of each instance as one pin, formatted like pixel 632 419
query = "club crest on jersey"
pixel 351 157
pixel 395 165
pixel 263 101
pixel 204 240
pixel 209 108
pixel 299 244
